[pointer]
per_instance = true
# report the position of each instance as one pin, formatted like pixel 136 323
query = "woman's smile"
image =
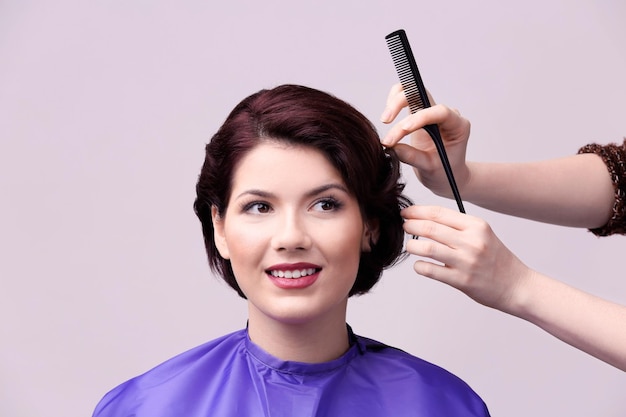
pixel 294 276
pixel 298 273
pixel 297 270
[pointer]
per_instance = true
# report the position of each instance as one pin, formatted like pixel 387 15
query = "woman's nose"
pixel 291 233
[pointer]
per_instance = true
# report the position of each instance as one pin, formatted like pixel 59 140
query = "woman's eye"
pixel 257 208
pixel 326 205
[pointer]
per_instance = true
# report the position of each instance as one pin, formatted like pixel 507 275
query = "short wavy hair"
pixel 308 117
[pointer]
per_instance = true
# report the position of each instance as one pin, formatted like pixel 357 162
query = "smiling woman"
pixel 294 235
pixel 300 210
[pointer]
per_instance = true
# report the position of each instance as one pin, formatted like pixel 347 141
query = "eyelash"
pixel 336 205
pixel 330 200
pixel 247 207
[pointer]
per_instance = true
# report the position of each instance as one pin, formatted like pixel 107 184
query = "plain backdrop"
pixel 105 108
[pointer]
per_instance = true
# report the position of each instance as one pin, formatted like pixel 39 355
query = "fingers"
pixel 433 250
pixel 411 155
pixel 437 244
pixel 451 238
pixel 434 271
pixel 396 101
pixel 431 216
pixel 438 114
pixel 463 252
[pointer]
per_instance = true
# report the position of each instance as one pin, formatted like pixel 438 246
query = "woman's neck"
pixel 312 341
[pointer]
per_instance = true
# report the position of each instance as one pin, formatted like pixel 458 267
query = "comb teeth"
pixel 407 71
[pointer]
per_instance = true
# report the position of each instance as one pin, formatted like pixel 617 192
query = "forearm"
pixel 587 322
pixel 573 191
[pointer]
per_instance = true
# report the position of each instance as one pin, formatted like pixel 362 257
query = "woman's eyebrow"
pixel 315 191
pixel 327 187
pixel 256 192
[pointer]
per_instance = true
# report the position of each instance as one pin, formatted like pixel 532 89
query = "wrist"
pixel 526 297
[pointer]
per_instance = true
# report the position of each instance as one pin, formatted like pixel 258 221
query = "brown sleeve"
pixel 614 156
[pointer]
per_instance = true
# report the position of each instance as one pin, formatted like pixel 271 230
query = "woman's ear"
pixel 218 233
pixel 371 233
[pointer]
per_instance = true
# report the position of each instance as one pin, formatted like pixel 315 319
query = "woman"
pixel 300 209
pixel 584 190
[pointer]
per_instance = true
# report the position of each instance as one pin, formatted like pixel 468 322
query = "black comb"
pixel 417 98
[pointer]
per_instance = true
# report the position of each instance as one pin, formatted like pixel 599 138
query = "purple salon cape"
pixel 231 376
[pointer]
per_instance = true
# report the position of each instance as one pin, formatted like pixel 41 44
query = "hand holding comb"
pixel 416 96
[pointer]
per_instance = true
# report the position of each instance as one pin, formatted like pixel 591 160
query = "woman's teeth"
pixel 297 273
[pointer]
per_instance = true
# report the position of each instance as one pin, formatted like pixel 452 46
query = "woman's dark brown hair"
pixel 308 117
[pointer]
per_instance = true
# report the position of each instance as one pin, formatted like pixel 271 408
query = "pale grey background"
pixel 105 107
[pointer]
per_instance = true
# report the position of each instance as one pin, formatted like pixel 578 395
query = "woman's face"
pixel 293 234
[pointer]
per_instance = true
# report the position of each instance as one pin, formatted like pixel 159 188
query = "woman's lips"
pixel 293 276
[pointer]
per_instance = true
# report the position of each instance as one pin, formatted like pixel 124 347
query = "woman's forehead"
pixel 279 164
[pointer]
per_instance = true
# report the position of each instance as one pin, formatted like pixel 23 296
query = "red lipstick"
pixel 293 276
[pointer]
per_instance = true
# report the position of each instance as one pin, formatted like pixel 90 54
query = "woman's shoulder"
pixel 393 356
pixel 204 352
pixel 417 377
pixel 174 371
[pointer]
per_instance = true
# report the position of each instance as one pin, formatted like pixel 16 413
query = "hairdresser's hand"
pixel 462 251
pixel 422 153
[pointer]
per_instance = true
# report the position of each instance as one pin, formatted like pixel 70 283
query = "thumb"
pixel 410 155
